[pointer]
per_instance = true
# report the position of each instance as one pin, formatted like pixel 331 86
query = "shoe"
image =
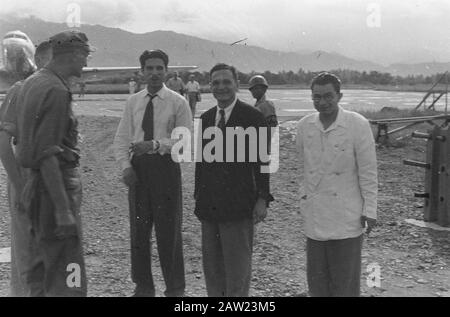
pixel 140 291
pixel 179 293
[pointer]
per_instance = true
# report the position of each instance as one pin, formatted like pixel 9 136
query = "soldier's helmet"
pixel 257 80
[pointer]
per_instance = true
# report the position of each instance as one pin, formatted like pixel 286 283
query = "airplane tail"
pixel 21 65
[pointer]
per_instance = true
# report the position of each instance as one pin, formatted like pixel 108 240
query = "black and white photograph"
pixel 229 149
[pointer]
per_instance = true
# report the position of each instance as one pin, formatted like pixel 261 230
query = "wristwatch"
pixel 156 145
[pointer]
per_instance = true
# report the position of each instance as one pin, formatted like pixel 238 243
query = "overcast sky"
pixel 403 31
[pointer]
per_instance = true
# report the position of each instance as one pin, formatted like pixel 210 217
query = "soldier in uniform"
pixel 258 88
pixel 47 147
pixel 22 248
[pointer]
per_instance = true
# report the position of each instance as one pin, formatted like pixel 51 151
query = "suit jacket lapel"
pixel 211 118
pixel 232 120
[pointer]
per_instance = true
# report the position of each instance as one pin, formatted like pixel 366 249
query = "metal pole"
pixel 446 92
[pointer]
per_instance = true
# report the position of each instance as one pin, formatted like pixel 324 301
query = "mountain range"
pixel 116 47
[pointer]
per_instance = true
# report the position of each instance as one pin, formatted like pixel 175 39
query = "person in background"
pixel 258 87
pixel 22 246
pixel 82 85
pixel 176 84
pixel 132 86
pixel 337 150
pixel 193 93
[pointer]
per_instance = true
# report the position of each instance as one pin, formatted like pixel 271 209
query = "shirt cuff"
pixel 266 196
pixel 125 165
pixel 165 146
pixel 9 128
pixel 48 152
pixel 369 213
pixel 153 151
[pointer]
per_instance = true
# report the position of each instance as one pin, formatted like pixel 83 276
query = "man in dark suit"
pixel 231 191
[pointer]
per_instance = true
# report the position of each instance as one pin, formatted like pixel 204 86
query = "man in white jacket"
pixel 337 150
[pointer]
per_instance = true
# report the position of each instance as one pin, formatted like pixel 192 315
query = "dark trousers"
pixel 334 267
pixel 58 268
pixel 156 199
pixel 23 248
pixel 227 257
pixel 192 97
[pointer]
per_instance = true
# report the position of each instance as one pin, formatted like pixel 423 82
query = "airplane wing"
pixel 17 43
pixel 99 73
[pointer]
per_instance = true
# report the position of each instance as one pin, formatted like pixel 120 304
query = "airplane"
pixel 18 58
pixel 18 62
pixel 93 74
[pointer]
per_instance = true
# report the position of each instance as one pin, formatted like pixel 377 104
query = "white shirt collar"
pixel 260 101
pixel 228 110
pixel 340 121
pixel 161 93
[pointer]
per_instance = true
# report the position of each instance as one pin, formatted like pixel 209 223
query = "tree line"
pixel 302 77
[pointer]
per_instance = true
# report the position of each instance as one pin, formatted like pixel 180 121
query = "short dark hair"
pixel 222 66
pixel 43 47
pixel 325 78
pixel 153 54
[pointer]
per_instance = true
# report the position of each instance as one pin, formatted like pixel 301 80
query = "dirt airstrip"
pixel 413 261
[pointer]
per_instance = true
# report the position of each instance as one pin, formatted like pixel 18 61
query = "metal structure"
pixel 408 122
pixel 435 94
pixel 437 175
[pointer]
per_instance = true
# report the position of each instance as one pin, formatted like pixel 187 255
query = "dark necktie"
pixel 221 124
pixel 147 121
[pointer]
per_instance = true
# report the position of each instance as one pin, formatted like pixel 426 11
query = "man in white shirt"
pixel 337 150
pixel 176 84
pixel 193 93
pixel 143 146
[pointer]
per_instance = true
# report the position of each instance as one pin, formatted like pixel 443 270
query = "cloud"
pixel 176 12
pixel 287 25
pixel 105 12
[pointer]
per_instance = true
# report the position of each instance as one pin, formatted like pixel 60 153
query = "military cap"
pixel 67 41
pixel 257 80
